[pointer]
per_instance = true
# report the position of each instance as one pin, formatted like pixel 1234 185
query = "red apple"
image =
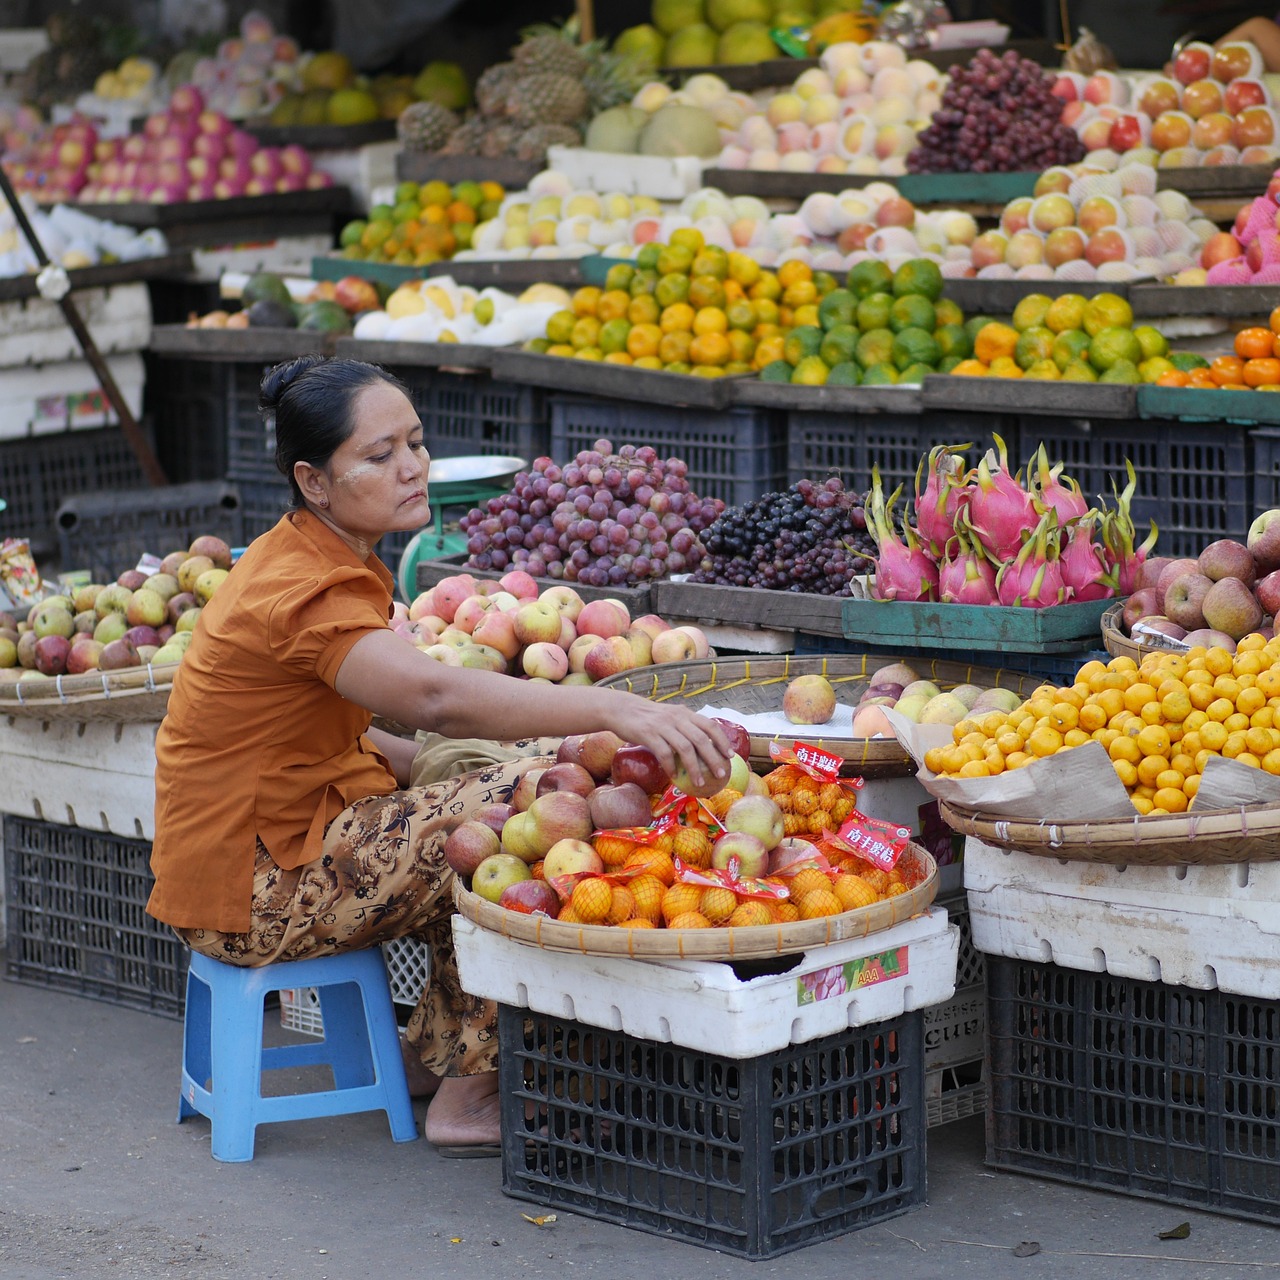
pixel 639 765
pixel 1194 62
pixel 1256 127
pixel 739 738
pixel 1220 247
pixel 531 898
pixel 1157 96
pixel 1173 129
pixel 1240 94
pixel 566 777
pixel 1235 60
pixel 468 845
pixel 1202 97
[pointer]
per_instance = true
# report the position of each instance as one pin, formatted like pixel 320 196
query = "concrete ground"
pixel 96 1180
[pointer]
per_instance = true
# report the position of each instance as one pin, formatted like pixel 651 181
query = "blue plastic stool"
pixel 222 1044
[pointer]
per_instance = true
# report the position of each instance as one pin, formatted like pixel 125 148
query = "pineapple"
pixel 469 138
pixel 532 144
pixel 499 139
pixel 425 126
pixel 547 50
pixel 547 98
pixel 494 85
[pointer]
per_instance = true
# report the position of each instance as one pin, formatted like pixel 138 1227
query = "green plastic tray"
pixel 1058 629
pixel 1198 404
pixel 966 188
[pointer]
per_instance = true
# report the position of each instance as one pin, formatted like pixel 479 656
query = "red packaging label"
pixel 675 805
pixel 875 841
pixel 730 878
pixel 818 764
pixel 840 979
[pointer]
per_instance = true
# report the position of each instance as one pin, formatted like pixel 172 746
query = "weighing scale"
pixel 453 482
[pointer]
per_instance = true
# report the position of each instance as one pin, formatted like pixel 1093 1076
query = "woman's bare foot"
pixel 464 1112
pixel 422 1082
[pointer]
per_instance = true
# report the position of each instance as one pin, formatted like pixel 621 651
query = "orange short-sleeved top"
pixel 256 743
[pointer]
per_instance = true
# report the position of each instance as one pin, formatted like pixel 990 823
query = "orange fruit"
pixel 1260 372
pixel 1174 378
pixel 678 317
pixel 585 300
pixel 717 904
pixel 1274 321
pixel 622 907
pixel 675 346
pixel 648 892
pixel 1227 370
pixel 749 914
pixel 690 920
pixel 644 340
pixel 706 291
pixel 1254 342
pixel 819 903
pixel 786 912
pixel 995 340
pixel 680 898
pixel 693 847
pixel 591 900
pixel 613 305
pixel 790 272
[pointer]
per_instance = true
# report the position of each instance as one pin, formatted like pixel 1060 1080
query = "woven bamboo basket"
pixel 125 696
pixel 757 684
pixel 1119 645
pixel 752 943
pixel 1250 833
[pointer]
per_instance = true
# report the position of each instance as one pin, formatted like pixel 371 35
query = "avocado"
pixel 269 314
pixel 265 287
pixel 324 317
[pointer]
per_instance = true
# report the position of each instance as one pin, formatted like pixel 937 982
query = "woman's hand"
pixel 674 735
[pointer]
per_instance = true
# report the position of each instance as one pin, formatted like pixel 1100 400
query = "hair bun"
pixel 278 379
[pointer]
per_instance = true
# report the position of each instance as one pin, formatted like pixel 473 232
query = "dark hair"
pixel 308 403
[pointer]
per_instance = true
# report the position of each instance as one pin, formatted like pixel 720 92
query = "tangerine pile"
pixel 427 223
pixel 809 807
pixel 1255 365
pixel 1160 722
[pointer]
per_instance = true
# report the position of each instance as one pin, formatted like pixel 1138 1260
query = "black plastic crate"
pixel 251 444
pixel 1266 469
pixel 734 454
pixel 106 533
pixel 469 413
pixel 185 403
pixel 263 502
pixel 821 443
pixel 76 918
pixel 36 474
pixel 1141 1087
pixel 1193 478
pixel 754 1157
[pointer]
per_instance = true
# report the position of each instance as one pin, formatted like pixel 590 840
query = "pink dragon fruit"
pixel 942 498
pixel 1047 490
pixel 966 576
pixel 904 570
pixel 1034 579
pixel 1084 565
pixel 999 510
pixel 1118 534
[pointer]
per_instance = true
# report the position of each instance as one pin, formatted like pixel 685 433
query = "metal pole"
pixel 133 435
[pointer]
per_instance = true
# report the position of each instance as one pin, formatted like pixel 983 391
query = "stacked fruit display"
pixel 1160 723
pixel 660 121
pixel 859 112
pixel 509 625
pixel 425 223
pixel 1255 365
pixel 1075 339
pixel 986 537
pixel 72 238
pixel 248 73
pixel 138 619
pixel 1214 109
pixel 1229 591
pixel 543 97
pixel 998 113
pixel 809 538
pixel 1250 252
pixel 267 302
pixel 604 519
pixel 189 152
pixel 883 328
pixel 600 838
pixel 327 90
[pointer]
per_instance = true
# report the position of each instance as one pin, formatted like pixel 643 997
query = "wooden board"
pixel 1220 181
pixel 163 266
pixel 433 166
pixel 1016 395
pixel 1237 301
pixel 416 355
pixel 515 273
pixel 618 381
pixel 320 137
pixel 1000 297
pixel 258 346
pixel 709 603
pixel 750 390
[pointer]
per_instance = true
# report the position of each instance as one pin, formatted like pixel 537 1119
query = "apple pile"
pixel 1081 224
pixel 185 153
pixel 1229 591
pixel 1215 109
pixel 1250 252
pixel 137 620
pixel 897 687
pixel 509 625
pixel 601 837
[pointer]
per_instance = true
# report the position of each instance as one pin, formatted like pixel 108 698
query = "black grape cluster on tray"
pixel 604 519
pixel 998 115
pixel 804 539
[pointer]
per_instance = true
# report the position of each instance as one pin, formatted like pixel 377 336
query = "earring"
pixel 324 502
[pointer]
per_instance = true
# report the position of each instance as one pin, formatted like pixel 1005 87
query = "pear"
pixel 967 693
pixel 927 687
pixel 912 705
pixel 946 708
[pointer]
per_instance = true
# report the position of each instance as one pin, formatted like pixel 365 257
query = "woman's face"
pixel 377 479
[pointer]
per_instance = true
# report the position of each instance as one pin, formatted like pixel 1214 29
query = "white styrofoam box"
pixel 702 1004
pixel 287 255
pixel 44 399
pixel 364 170
pixel 663 177
pixel 18 45
pixel 33 331
pixel 1191 926
pixel 955 1030
pixel 95 774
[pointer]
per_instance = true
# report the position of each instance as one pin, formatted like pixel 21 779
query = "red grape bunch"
pixel 605 519
pixel 998 115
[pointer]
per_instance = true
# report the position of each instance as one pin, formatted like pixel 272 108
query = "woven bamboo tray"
pixel 125 696
pixel 1119 645
pixel 753 943
pixel 1250 833
pixel 757 684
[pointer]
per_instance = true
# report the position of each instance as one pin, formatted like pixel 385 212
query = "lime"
pixel 1106 311
pixel 671 288
pixel 1152 341
pixel 1035 343
pixel 948 312
pixel 840 344
pixel 1073 344
pixel 619 276
pixel 352 232
pixel 810 372
pixel 880 375
pixel 825 283
pixel 645 280
pixel 560 326
pixel 952 340
pixel 647 256
pixel 407 191
pixel 875 347
pixel 802 342
pixel 1154 368
pixel 1064 313
pixel 947 363
pixel 839 307
pixel 674 257
pixel 776 371
pixel 613 335
pixel 919 277
pixel 912 346
pixel 1030 311
pixel 1122 371
pixel 1079 371
pixel 844 374
pixel 867 277
pixel 539 345
pixel 914 374
pixel 1044 369
pixel 911 311
pixel 1113 344
pixel 873 311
